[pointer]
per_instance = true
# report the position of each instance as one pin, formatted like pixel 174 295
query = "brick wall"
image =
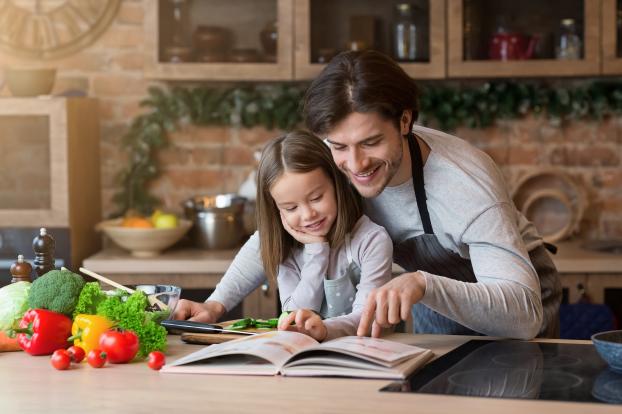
pixel 589 152
pixel 202 160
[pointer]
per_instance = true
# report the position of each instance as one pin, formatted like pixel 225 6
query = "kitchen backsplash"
pixel 215 159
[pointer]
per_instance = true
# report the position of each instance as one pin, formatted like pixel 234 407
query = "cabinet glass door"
pixel 33 162
pixel 612 36
pixel 219 40
pixel 411 32
pixel 525 38
pixel 25 163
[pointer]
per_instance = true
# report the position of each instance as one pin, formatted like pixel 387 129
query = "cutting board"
pixel 217 338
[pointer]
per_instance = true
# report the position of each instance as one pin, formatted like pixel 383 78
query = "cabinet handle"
pixel 265 287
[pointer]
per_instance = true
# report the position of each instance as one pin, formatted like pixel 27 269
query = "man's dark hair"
pixel 366 81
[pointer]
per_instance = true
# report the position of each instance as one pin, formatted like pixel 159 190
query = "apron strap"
pixel 416 160
pixel 348 248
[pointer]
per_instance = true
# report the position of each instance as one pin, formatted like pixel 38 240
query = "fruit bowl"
pixel 143 242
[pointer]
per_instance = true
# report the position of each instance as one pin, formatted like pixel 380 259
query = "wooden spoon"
pixel 153 300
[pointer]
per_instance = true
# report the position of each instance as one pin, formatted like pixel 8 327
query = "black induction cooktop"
pixel 519 370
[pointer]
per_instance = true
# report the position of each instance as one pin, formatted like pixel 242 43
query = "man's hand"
pixel 299 235
pixel 307 322
pixel 389 304
pixel 206 312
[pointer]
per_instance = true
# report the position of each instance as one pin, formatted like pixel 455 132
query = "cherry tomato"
pixel 96 358
pixel 76 353
pixel 121 346
pixel 156 360
pixel 60 359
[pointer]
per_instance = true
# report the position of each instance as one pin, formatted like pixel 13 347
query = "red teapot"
pixel 511 46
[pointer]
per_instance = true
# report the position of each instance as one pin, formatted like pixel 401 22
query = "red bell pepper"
pixel 41 332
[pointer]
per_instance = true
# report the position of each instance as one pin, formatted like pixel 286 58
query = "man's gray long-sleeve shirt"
pixel 472 214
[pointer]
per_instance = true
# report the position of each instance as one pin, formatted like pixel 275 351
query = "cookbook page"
pixel 275 347
pixel 381 351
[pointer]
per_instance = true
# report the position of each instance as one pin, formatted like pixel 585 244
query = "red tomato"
pixel 96 358
pixel 76 353
pixel 60 359
pixel 121 346
pixel 156 360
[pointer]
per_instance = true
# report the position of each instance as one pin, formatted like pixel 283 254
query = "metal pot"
pixel 218 220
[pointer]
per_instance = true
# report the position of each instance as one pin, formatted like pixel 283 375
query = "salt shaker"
pixel 21 270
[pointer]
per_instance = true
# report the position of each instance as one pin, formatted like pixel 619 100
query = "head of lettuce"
pixel 13 305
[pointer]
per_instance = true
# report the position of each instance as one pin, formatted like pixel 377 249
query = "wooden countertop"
pixel 571 258
pixel 30 384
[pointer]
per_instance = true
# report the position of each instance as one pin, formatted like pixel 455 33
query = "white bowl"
pixel 144 242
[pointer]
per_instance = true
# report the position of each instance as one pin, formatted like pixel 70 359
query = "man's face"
pixel 369 150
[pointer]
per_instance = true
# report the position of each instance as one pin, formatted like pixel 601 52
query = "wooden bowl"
pixel 552 200
pixel 551 212
pixel 143 242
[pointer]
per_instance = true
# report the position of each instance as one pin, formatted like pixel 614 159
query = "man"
pixel 474 263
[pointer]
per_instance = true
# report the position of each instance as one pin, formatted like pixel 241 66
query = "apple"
pixel 154 216
pixel 165 221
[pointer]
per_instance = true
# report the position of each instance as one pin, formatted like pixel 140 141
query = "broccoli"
pixel 57 290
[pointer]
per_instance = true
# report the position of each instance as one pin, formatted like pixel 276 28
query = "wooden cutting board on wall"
pixel 217 338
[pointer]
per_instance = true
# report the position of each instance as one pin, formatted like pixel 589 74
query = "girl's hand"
pixel 301 236
pixel 307 322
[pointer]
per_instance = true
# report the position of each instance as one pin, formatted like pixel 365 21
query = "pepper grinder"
pixel 43 245
pixel 21 270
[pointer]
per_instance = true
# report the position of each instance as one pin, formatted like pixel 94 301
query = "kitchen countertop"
pixel 30 384
pixel 570 258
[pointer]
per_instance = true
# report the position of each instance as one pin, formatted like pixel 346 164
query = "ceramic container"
pixel 30 82
pixel 609 346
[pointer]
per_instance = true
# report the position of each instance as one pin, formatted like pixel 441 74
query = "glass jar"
pixel 404 33
pixel 569 44
pixel 180 36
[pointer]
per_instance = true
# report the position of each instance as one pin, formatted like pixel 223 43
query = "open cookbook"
pixel 294 354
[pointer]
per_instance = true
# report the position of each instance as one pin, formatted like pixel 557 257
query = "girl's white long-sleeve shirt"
pixel 301 276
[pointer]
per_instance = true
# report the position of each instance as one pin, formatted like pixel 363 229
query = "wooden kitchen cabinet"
pixel 326 27
pixel 527 33
pixel 611 18
pixel 49 173
pixel 219 40
pixel 227 40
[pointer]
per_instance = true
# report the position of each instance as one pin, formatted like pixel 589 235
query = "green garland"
pixel 279 106
pixel 267 105
pixel 479 107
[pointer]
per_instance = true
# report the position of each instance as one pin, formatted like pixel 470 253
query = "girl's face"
pixel 306 201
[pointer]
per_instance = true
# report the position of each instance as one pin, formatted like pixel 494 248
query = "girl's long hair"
pixel 298 152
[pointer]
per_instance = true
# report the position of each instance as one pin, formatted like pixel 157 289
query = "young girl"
pixel 314 241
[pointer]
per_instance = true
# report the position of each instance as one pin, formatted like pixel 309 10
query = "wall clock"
pixel 48 29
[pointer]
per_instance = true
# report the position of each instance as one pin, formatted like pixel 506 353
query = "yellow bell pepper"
pixel 86 330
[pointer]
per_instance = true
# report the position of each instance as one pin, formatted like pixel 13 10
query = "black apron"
pixel 425 252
